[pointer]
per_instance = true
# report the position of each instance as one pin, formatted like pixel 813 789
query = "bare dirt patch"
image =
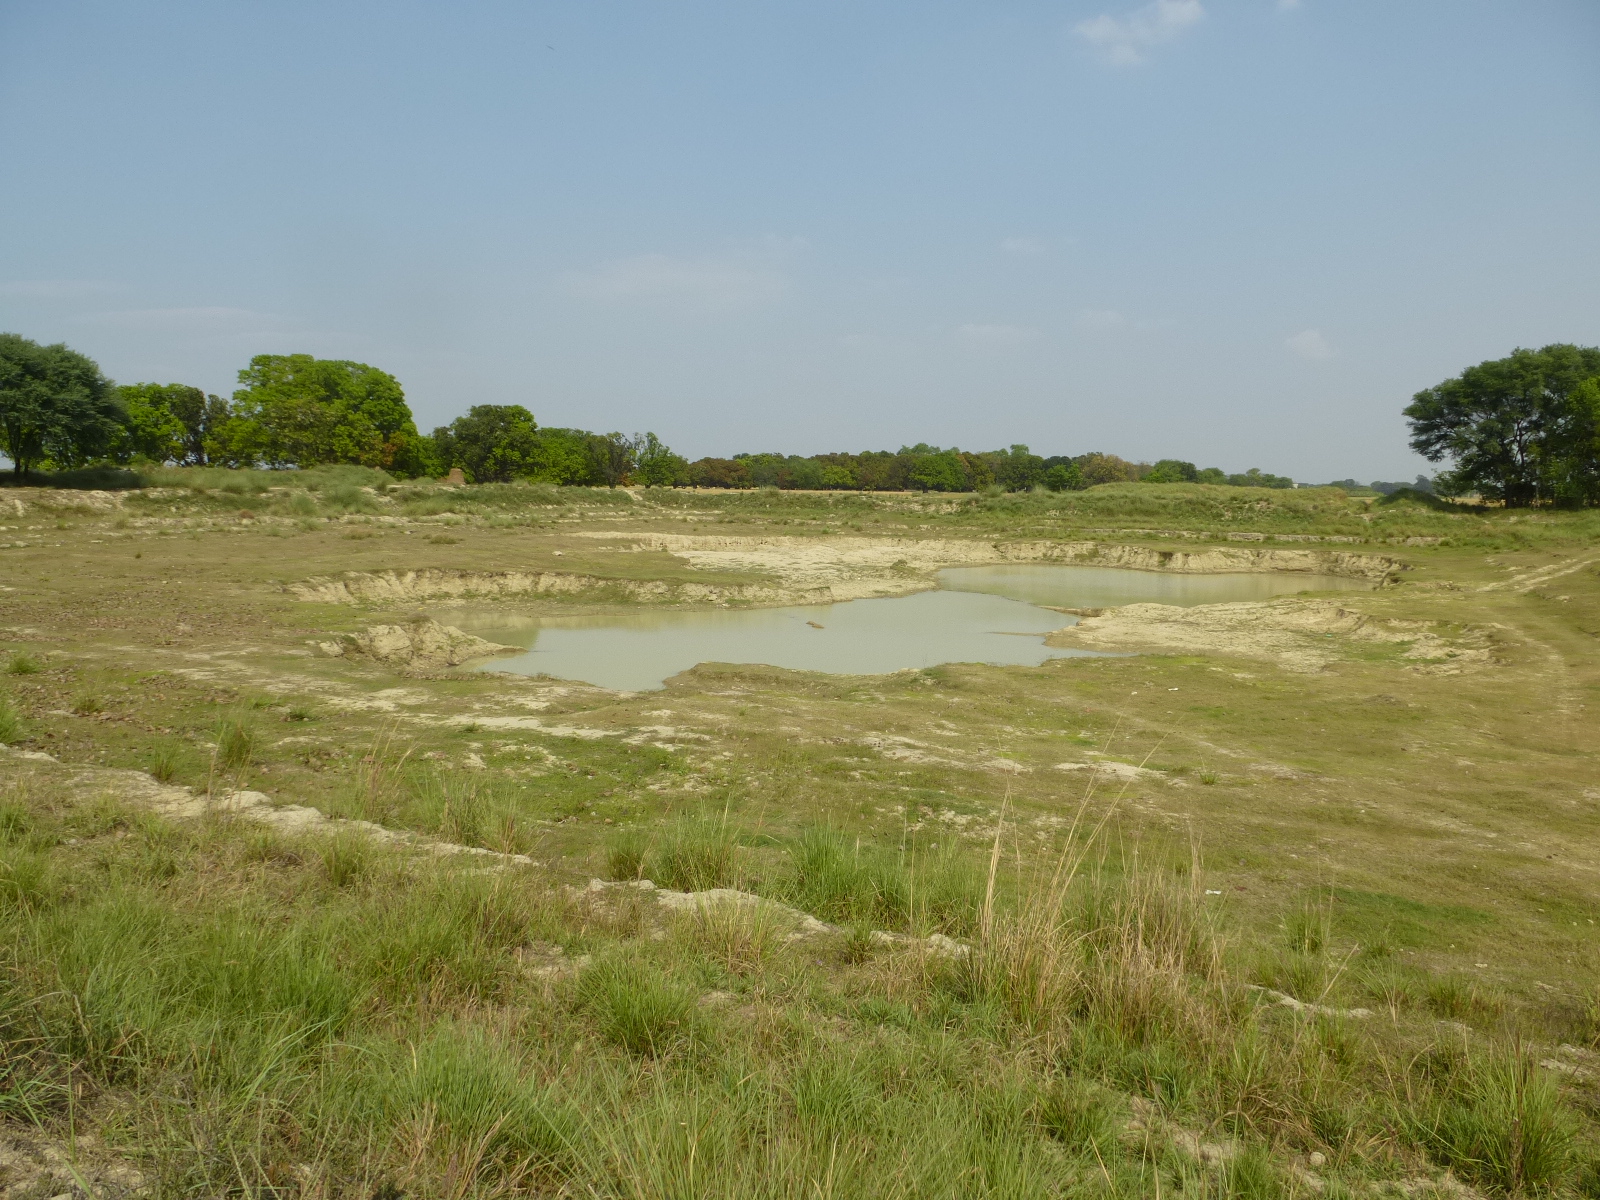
pixel 1304 636
pixel 422 643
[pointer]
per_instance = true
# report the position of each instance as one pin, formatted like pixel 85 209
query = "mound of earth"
pixel 422 643
pixel 1300 635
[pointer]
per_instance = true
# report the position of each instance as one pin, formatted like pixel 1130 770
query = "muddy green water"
pixel 979 614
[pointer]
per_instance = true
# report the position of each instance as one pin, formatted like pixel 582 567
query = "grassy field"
pixel 1203 920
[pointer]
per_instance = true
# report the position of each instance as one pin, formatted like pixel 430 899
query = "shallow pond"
pixel 980 614
pixel 1107 587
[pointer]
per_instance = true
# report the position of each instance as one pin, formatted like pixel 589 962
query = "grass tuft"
pixel 635 1006
pixel 165 764
pixel 695 854
pixel 1497 1120
pixel 738 936
pixel 21 663
pixel 625 856
pixel 346 858
pixel 11 728
pixel 236 742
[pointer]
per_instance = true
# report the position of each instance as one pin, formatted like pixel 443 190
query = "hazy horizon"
pixel 1240 233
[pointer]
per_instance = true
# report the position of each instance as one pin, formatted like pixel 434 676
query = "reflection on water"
pixel 1106 587
pixel 983 614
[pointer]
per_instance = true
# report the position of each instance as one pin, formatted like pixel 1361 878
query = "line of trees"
pixel 1522 430
pixel 932 469
pixel 58 411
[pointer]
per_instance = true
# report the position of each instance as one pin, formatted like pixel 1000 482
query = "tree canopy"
pixel 1522 429
pixel 296 410
pixel 492 443
pixel 168 423
pixel 56 408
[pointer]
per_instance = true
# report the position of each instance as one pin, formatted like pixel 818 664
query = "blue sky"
pixel 1241 232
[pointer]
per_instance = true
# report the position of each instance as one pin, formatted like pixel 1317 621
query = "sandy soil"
pixel 1304 636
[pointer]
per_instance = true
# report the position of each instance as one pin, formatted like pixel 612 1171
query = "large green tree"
pixel 1172 470
pixel 296 410
pixel 1101 468
pixel 492 443
pixel 612 456
pixel 1518 429
pixel 655 465
pixel 169 422
pixel 56 408
pixel 566 457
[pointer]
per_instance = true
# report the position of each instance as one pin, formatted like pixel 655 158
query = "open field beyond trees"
pixel 1288 899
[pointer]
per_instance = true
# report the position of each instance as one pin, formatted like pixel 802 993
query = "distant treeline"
pixel 59 412
pixel 932 469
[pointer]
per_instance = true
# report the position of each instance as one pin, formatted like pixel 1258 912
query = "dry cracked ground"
pixel 1421 755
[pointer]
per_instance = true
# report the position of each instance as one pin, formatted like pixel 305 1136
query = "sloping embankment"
pixel 378 587
pixel 819 570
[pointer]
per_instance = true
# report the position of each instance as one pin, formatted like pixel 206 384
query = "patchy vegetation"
pixel 1201 920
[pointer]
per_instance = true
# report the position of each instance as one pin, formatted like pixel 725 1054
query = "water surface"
pixel 1107 587
pixel 638 651
pixel 980 614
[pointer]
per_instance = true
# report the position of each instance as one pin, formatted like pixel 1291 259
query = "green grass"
pixel 366 1012
pixel 11 726
pixel 837 877
pixel 1497 1121
pixel 635 1007
pixel 236 742
pixel 695 854
pixel 165 763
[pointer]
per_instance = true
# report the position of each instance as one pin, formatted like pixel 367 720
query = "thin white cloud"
pixel 57 289
pixel 706 283
pixel 1101 318
pixel 1021 246
pixel 203 320
pixel 1310 344
pixel 1125 41
pixel 996 335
